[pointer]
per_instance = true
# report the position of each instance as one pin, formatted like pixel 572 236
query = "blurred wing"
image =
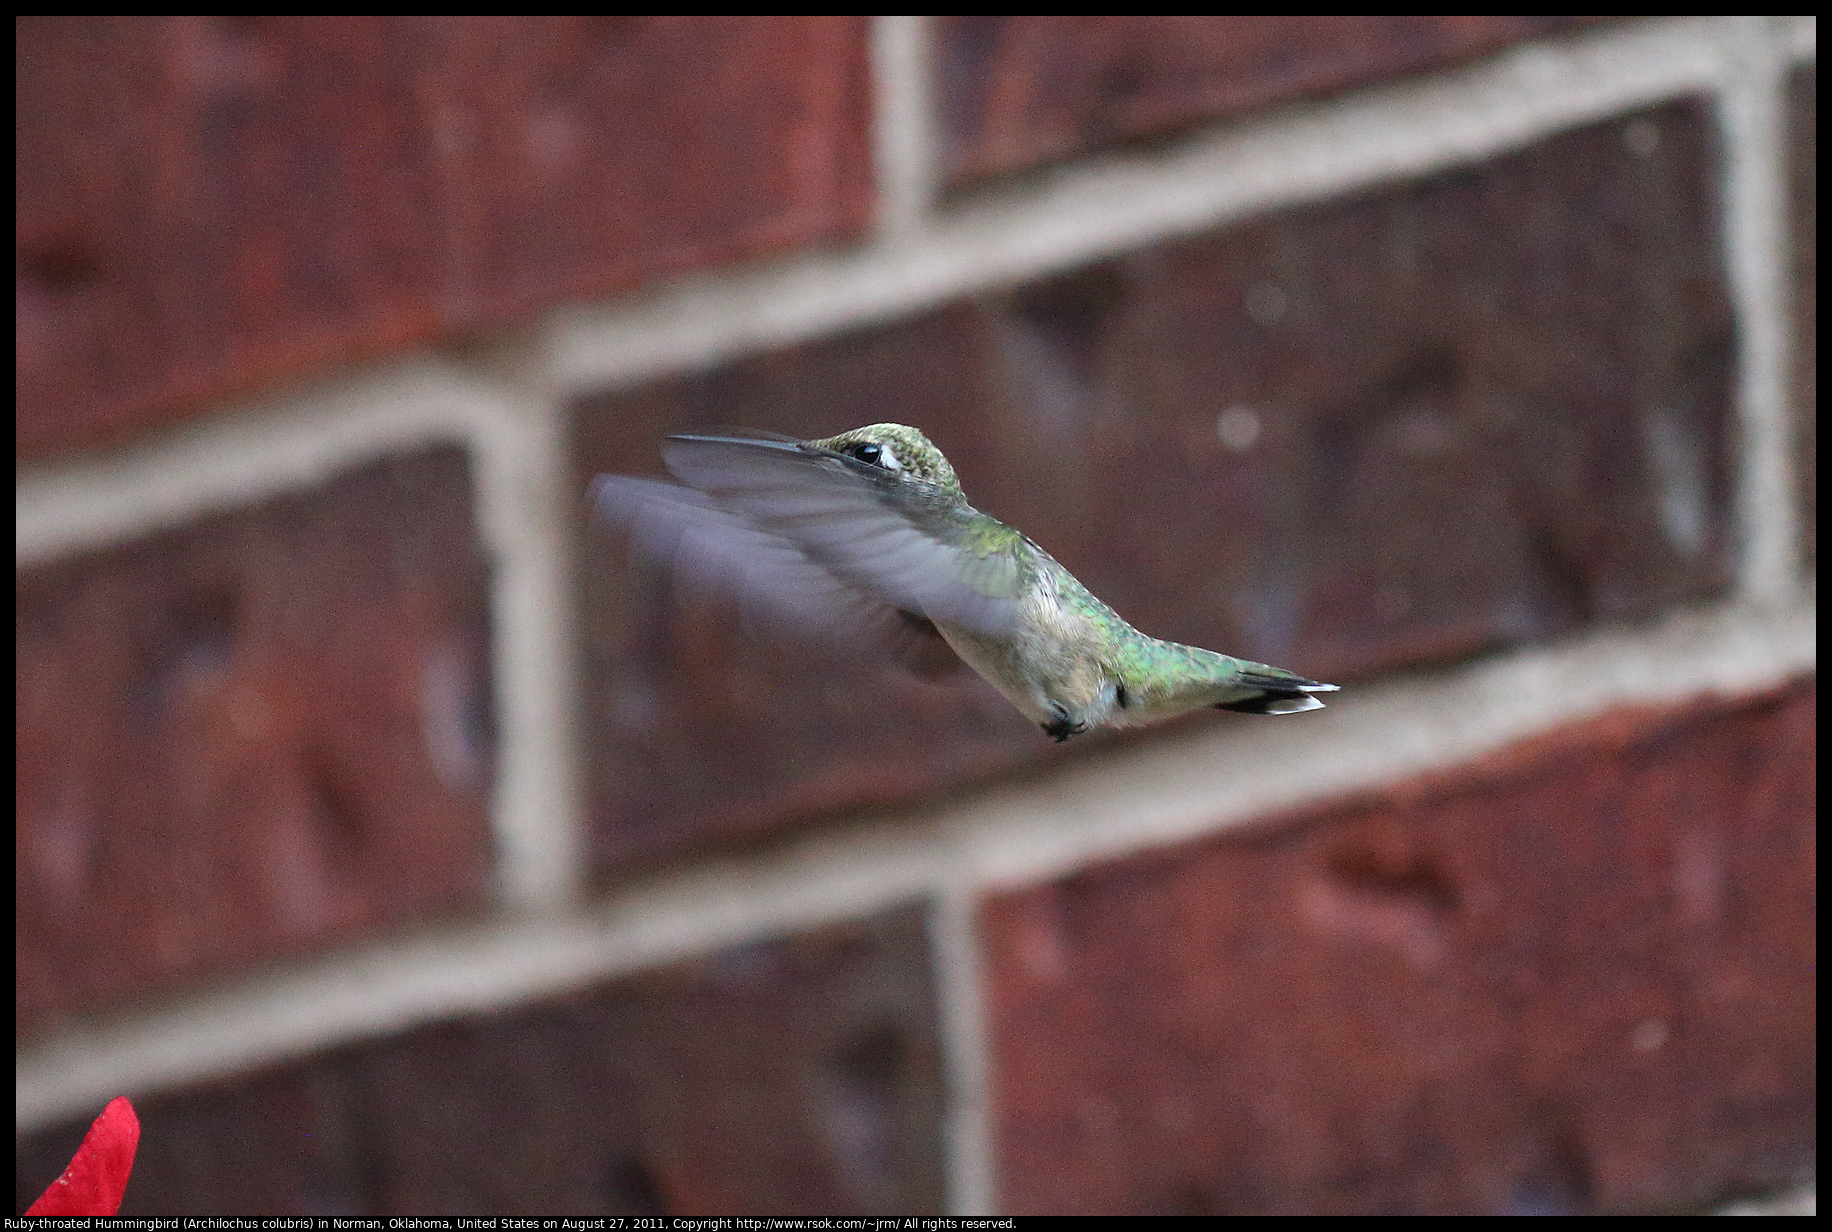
pixel 883 535
pixel 714 550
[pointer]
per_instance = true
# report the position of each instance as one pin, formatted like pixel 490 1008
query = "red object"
pixel 96 1179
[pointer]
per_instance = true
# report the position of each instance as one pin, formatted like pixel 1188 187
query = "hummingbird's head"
pixel 897 448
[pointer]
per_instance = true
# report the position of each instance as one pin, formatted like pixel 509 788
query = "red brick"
pixel 1485 408
pixel 206 204
pixel 1803 131
pixel 790 1077
pixel 210 206
pixel 611 151
pixel 1578 976
pixel 1019 91
pixel 251 737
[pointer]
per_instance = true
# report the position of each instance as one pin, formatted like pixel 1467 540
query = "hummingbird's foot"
pixel 1062 728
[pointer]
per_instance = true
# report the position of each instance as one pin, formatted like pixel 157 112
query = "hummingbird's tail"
pixel 1273 690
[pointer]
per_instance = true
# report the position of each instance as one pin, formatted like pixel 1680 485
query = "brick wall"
pixel 402 849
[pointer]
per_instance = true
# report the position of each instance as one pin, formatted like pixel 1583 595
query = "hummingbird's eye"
pixel 876 455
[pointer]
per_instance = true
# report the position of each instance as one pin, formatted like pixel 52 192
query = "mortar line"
pixel 1191 783
pixel 1798 37
pixel 537 806
pixel 903 125
pixel 967 1133
pixel 1750 113
pixel 253 452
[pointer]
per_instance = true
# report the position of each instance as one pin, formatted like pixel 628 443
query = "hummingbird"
pixel 866 538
